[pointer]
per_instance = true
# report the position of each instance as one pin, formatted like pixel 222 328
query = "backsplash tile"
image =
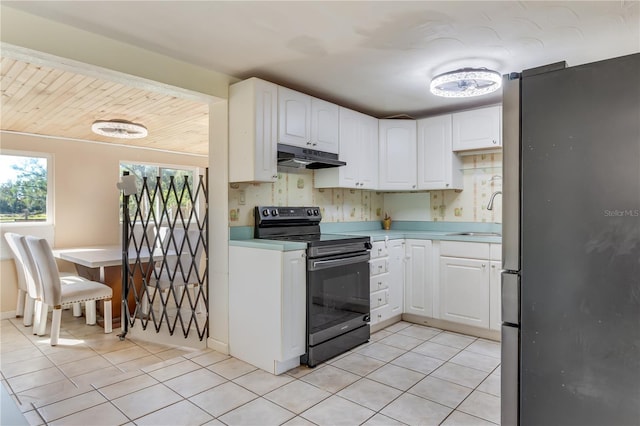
pixel 296 189
pixel 482 176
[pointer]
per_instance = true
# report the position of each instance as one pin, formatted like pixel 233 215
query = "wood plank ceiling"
pixel 47 101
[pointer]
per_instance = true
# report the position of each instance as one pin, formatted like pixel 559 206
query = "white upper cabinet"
pixel 253 131
pixel 438 166
pixel 294 117
pixel 477 129
pixel 359 149
pixel 324 126
pixel 397 151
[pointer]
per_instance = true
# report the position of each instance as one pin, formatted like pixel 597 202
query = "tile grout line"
pixel 110 402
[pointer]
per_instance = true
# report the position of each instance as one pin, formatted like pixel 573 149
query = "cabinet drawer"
pixel 379 249
pixel 379 298
pixel 378 266
pixel 464 249
pixel 379 314
pixel 379 282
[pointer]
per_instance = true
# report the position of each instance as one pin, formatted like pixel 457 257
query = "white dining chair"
pixel 43 265
pixel 182 266
pixel 27 292
pixel 28 299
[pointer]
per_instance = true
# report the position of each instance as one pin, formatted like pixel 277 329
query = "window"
pixel 25 188
pixel 176 195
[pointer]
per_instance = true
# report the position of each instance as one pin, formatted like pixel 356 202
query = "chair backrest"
pixel 185 268
pixel 41 255
pixel 26 281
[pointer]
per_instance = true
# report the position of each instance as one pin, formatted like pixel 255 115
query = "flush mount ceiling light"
pixel 466 82
pixel 121 129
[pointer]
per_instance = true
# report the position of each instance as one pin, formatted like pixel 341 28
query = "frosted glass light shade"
pixel 465 83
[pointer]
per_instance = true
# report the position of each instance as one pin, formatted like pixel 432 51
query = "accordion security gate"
pixel 165 257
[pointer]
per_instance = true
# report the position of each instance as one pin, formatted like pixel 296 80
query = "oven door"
pixel 338 295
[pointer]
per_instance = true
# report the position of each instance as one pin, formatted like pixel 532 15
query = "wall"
pixel 86 200
pixel 295 188
pixel 42 35
pixel 482 176
pixel 77 47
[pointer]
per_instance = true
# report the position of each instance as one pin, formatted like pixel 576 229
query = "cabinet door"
pixel 438 166
pixel 464 291
pixel 396 276
pixel 294 270
pixel 477 129
pixel 368 153
pixel 294 117
pixel 397 154
pixel 495 291
pixel 324 126
pixel 359 149
pixel 418 278
pixel 253 131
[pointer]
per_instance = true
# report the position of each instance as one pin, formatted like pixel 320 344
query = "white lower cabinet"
pixel 418 285
pixel 386 279
pixel 267 307
pixel 464 291
pixel 469 283
pixel 396 277
pixel 495 287
pixel 495 291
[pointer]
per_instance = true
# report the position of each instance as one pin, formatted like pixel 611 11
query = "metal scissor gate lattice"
pixel 165 254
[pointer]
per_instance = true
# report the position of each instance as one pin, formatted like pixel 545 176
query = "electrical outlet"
pixel 242 199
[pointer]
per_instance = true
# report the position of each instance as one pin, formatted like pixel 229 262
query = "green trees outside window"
pixel 23 188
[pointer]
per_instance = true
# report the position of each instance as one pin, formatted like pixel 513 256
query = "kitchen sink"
pixel 476 234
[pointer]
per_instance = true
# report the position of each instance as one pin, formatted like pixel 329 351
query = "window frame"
pixel 50 221
pixel 195 170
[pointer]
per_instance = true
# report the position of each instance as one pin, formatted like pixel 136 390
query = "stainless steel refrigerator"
pixel 571 245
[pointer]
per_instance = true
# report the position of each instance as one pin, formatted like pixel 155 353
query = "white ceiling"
pixel 374 56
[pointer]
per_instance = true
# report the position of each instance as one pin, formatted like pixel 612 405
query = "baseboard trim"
pixel 386 323
pixel 452 326
pixel 7 315
pixel 217 345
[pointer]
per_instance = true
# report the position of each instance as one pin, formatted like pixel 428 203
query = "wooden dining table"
pixel 104 264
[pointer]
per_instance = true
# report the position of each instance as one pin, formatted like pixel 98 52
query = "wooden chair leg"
pixel 29 306
pixel 90 311
pixel 56 318
pixel 20 304
pixel 107 317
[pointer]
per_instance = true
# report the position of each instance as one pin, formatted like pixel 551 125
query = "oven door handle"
pixel 324 264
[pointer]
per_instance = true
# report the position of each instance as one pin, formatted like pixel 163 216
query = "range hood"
pixel 305 158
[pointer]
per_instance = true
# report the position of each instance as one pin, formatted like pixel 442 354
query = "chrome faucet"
pixel 490 205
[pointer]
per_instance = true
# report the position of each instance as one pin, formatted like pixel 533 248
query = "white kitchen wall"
pixel 482 176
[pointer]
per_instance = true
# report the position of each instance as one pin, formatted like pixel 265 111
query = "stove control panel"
pixel 288 213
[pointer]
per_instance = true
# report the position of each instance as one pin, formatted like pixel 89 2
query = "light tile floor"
pixel 407 374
